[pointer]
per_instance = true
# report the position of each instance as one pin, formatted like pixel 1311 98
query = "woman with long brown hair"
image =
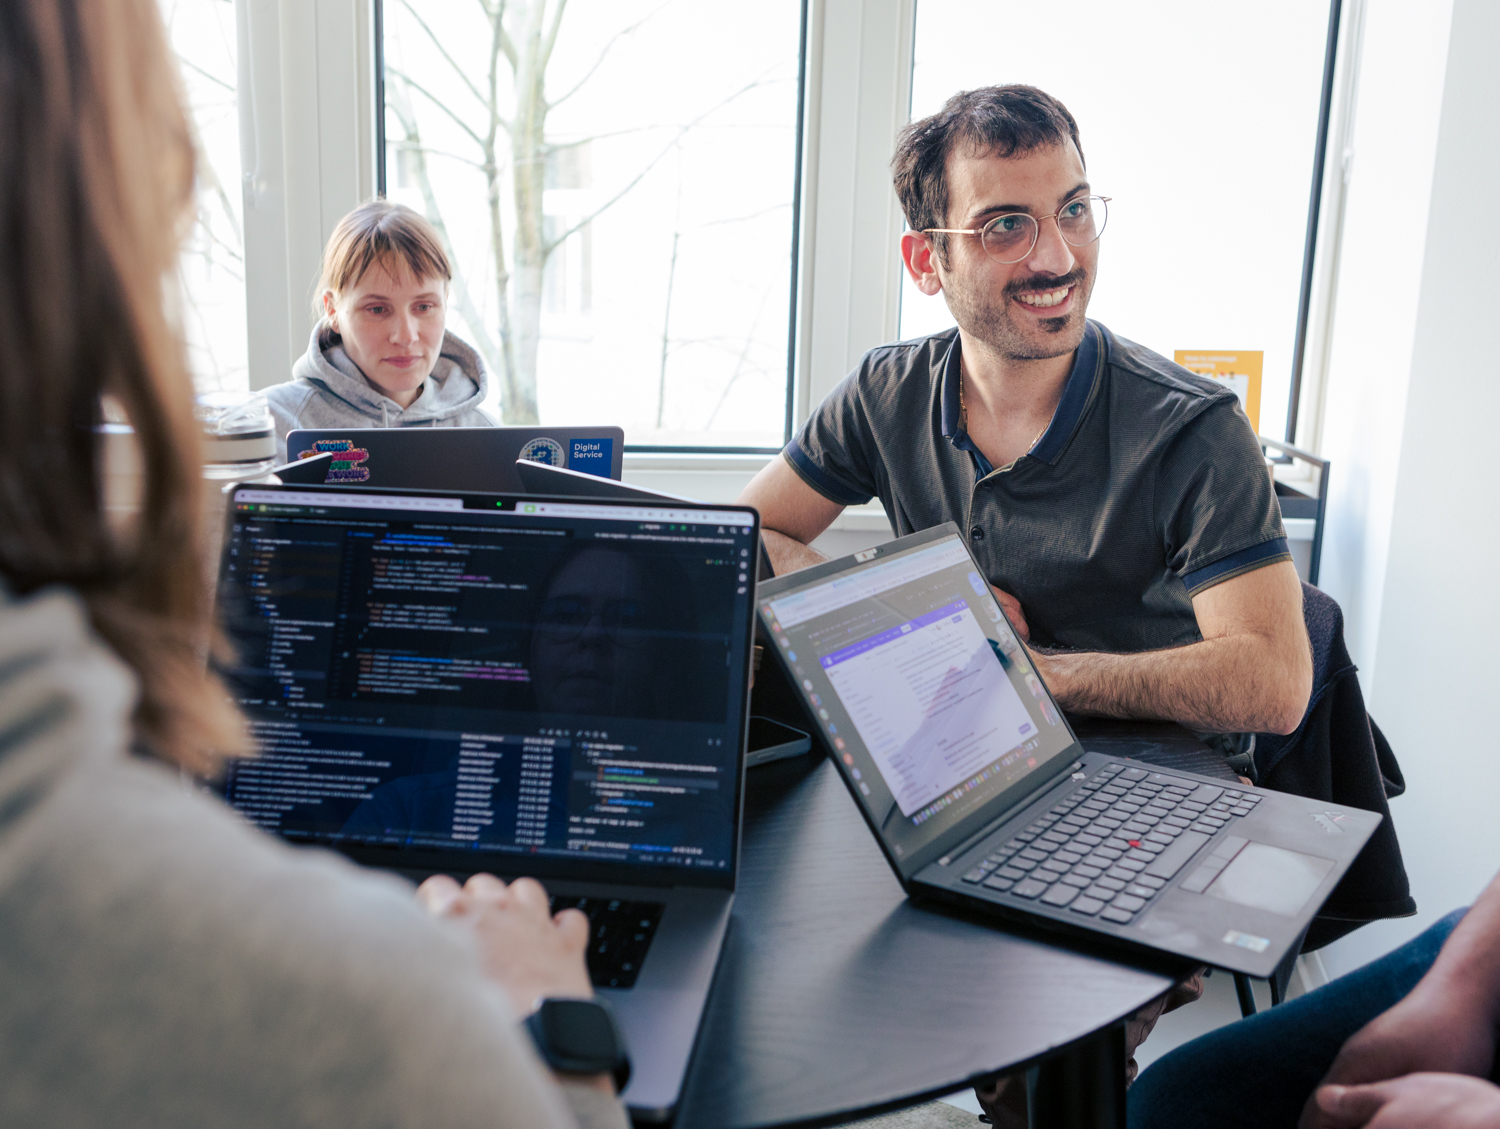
pixel 162 963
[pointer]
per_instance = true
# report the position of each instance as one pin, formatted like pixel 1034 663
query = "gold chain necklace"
pixel 963 410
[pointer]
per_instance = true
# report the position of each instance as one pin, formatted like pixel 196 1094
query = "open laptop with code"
pixel 981 796
pixel 450 682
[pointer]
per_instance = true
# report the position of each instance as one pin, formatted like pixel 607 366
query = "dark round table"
pixel 838 998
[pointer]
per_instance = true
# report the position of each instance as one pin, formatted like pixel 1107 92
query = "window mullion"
pixel 859 97
pixel 307 124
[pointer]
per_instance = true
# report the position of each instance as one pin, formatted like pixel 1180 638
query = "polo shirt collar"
pixel 953 430
pixel 1079 389
pixel 1088 363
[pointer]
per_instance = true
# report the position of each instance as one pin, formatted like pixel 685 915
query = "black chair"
pixel 1300 504
pixel 1337 754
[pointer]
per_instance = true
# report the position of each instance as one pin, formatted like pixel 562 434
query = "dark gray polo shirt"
pixel 1147 487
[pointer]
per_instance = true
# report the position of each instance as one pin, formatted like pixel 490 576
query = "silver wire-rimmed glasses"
pixel 1009 238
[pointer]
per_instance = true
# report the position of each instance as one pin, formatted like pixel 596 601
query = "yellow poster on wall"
pixel 1237 368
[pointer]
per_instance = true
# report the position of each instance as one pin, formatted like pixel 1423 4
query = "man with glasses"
pixel 1118 503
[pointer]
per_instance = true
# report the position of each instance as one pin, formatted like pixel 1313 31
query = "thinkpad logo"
pixel 1329 821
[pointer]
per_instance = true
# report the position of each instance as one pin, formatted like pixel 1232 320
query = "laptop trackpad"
pixel 1270 878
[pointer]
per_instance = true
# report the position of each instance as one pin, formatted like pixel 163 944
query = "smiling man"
pixel 1118 503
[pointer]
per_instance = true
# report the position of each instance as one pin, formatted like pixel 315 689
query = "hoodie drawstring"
pixel 385 413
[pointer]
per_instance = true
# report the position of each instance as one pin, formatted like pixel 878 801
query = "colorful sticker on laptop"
pixel 546 451
pixel 346 465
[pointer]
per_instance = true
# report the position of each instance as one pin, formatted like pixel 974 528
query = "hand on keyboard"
pixel 526 950
pixel 620 933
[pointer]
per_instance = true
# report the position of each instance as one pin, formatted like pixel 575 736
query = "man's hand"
pixel 1418 1101
pixel 1432 1029
pixel 526 950
pixel 1445 1026
pixel 1012 609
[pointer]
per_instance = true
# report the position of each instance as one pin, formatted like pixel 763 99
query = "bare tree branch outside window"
pixel 212 267
pixel 535 134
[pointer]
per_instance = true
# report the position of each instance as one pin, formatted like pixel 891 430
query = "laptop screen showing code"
pixel 924 692
pixel 560 679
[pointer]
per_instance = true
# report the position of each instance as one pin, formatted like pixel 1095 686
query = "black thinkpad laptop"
pixel 561 482
pixel 980 795
pixel 444 682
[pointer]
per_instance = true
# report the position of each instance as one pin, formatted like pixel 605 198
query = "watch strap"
pixel 580 1036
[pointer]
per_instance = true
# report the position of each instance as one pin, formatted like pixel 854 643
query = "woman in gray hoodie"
pixel 380 355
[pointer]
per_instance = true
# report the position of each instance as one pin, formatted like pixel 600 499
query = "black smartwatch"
pixel 577 1036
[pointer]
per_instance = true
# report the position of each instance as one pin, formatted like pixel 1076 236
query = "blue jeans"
pixel 1257 1073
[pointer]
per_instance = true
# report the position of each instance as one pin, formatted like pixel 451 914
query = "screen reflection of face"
pixel 592 651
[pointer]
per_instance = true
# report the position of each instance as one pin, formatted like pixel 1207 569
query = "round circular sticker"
pixel 548 451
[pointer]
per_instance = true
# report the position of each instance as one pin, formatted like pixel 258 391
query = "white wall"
pixel 1396 116
pixel 1413 402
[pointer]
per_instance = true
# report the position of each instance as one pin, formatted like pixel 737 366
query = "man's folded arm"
pixel 1252 673
pixel 792 515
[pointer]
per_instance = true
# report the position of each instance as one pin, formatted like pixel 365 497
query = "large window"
pixel 213 262
pixel 1200 120
pixel 616 181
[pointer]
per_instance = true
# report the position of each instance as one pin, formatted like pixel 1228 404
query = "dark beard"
pixel 991 323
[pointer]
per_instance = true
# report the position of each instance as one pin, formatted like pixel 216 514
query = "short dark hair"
pixel 1005 121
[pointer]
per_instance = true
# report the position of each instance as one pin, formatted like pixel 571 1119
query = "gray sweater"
pixel 164 964
pixel 328 389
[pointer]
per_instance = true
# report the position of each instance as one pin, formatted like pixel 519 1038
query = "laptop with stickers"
pixel 456 458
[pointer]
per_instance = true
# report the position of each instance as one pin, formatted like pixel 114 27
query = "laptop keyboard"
pixel 1113 843
pixel 620 932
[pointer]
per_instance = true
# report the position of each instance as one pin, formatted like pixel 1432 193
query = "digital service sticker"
pixel 592 456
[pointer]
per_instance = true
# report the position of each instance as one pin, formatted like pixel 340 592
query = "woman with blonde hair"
pixel 381 354
pixel 161 962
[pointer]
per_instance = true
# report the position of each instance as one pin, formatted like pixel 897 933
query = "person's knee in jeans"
pixel 1260 1071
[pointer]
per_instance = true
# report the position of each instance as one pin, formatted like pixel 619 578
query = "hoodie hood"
pixel 327 389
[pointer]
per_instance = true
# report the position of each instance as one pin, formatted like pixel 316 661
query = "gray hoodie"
pixel 327 389
pixel 163 964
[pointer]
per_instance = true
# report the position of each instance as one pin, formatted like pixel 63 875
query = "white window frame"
pixel 307 123
pixel 307 104
pixel 1338 168
pixel 307 155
